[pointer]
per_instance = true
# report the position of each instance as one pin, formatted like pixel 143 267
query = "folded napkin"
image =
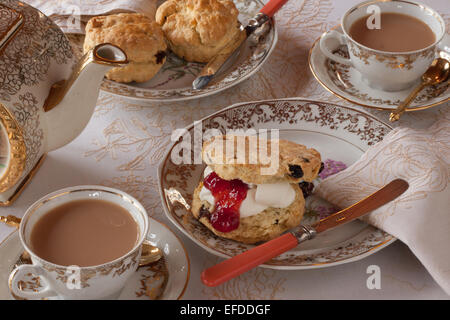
pixel 421 216
pixel 72 15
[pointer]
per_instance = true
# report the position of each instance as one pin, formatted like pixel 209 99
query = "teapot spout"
pixel 70 103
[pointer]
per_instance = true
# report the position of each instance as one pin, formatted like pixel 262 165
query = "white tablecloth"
pixel 125 140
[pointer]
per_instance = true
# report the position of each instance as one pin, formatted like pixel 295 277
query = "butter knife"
pixel 247 260
pixel 212 67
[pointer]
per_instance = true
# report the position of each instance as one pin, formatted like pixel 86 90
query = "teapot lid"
pixel 29 43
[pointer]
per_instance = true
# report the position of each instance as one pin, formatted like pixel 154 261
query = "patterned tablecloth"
pixel 125 140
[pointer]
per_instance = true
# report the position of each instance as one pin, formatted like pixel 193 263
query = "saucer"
pixel 341 135
pixel 174 81
pixel 347 83
pixel 166 279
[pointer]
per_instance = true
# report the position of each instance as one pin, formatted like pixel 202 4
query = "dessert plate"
pixel 174 81
pixel 340 134
pixel 167 279
pixel 346 83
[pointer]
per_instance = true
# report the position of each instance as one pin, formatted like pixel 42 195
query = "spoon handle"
pixel 11 221
pixel 395 115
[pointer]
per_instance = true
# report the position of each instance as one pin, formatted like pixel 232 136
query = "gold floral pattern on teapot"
pixel 35 55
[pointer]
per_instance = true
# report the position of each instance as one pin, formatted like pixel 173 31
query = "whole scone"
pixel 196 30
pixel 251 189
pixel 141 38
pixel 263 226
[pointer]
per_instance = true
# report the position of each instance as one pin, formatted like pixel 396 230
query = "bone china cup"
pixel 383 70
pixel 103 281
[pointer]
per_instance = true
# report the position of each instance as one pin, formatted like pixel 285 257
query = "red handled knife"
pixel 247 260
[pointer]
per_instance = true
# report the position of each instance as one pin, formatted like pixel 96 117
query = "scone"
pixel 238 202
pixel 296 162
pixel 141 38
pixel 196 30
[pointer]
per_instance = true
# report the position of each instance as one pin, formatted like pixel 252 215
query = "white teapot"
pixel 46 96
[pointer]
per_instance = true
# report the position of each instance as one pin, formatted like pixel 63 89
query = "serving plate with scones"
pixel 168 51
pixel 228 204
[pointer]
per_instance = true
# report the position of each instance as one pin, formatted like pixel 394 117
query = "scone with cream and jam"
pixel 196 30
pixel 140 37
pixel 239 201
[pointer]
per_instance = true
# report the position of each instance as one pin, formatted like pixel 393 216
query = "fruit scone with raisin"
pixel 247 198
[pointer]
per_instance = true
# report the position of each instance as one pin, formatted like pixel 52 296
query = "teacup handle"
pixel 18 274
pixel 324 46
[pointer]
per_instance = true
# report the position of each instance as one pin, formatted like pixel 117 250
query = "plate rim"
pixel 327 87
pixel 207 93
pixel 162 163
pixel 14 233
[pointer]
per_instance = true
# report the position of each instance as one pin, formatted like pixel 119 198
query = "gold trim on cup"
pixel 115 267
pixel 418 108
pixel 34 207
pixel 382 55
pixel 419 5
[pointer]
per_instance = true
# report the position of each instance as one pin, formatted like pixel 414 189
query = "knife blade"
pixel 213 66
pixel 247 260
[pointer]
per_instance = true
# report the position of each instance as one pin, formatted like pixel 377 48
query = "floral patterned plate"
pixel 346 83
pixel 174 81
pixel 167 279
pixel 340 134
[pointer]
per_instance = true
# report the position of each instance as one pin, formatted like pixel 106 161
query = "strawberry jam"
pixel 228 196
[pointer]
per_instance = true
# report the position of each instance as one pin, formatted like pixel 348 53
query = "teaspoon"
pixel 437 72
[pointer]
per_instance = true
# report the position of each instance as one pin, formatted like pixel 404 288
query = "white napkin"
pixel 421 216
pixel 71 15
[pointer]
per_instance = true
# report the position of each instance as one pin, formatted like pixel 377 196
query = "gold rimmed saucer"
pixel 346 83
pixel 174 81
pixel 165 279
pixel 341 135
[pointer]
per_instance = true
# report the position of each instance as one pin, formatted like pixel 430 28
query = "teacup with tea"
pixel 391 43
pixel 84 242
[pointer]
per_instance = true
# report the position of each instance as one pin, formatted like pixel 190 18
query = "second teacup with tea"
pixel 84 242
pixel 391 43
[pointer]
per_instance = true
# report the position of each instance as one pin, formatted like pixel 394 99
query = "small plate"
pixel 174 81
pixel 167 279
pixel 346 83
pixel 340 134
